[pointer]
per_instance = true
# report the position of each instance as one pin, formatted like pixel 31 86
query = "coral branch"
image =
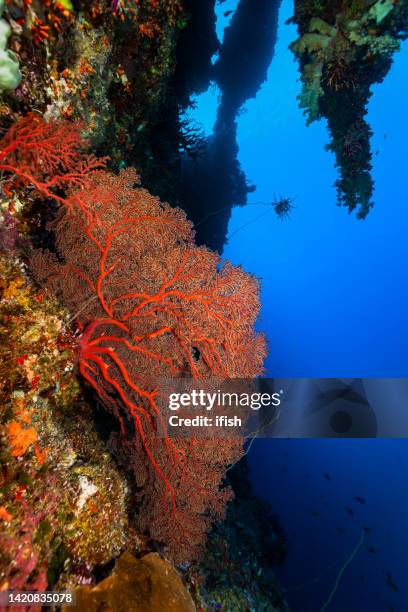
pixel 46 156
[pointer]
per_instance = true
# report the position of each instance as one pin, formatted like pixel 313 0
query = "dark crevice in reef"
pixel 212 183
pixel 246 54
pixel 245 549
pixel 197 44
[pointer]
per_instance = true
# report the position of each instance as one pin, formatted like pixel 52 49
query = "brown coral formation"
pixel 149 584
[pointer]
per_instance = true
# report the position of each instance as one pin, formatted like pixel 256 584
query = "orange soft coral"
pixel 20 438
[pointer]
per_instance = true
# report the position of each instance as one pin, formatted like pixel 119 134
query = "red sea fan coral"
pixel 46 156
pixel 153 305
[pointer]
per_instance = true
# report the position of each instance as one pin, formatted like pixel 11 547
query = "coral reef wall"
pixel 103 286
pixel 105 63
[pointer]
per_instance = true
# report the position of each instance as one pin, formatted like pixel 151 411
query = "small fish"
pixel 367 530
pixel 228 13
pixel 391 583
pixel 327 476
pixel 362 578
pixel 340 530
pixel 349 510
pixel 315 513
pixel 371 550
pixel 359 499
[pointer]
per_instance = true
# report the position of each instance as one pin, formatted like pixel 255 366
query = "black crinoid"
pixel 283 207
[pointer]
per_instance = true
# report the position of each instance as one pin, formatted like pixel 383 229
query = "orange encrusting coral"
pixel 20 438
pixel 4 515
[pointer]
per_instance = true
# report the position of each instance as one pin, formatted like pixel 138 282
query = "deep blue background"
pixel 334 303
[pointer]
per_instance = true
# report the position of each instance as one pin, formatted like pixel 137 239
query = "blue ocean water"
pixel 334 303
